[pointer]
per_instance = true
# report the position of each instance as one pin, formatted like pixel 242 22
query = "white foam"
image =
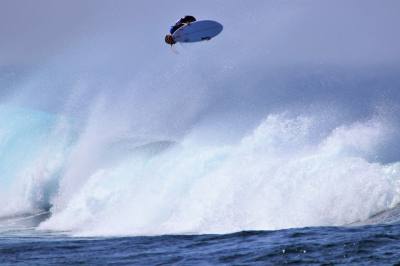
pixel 279 176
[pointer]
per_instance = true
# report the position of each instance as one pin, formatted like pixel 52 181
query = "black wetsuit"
pixel 181 22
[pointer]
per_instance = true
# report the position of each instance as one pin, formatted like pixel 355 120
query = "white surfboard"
pixel 198 31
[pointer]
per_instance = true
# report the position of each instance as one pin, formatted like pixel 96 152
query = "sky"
pixel 109 57
pixel 353 32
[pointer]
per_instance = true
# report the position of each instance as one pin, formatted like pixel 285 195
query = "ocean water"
pixel 278 148
pixel 356 245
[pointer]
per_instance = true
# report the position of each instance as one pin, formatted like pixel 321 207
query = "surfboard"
pixel 198 31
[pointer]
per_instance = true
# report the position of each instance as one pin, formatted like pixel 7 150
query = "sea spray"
pixel 276 177
pixel 32 149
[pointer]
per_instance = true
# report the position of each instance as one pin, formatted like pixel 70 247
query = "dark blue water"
pixel 363 245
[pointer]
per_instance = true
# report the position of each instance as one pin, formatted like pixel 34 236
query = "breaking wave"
pixel 284 173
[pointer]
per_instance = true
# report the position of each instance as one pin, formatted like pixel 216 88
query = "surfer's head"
pixel 169 39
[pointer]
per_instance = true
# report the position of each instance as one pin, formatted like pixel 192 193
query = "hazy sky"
pixel 272 55
pixel 356 32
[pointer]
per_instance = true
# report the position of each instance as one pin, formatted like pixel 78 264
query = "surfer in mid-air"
pixel 169 39
pixel 189 30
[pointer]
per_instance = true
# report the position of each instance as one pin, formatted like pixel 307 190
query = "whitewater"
pixel 280 147
pixel 282 174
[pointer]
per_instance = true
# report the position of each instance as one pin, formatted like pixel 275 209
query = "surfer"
pixel 186 20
